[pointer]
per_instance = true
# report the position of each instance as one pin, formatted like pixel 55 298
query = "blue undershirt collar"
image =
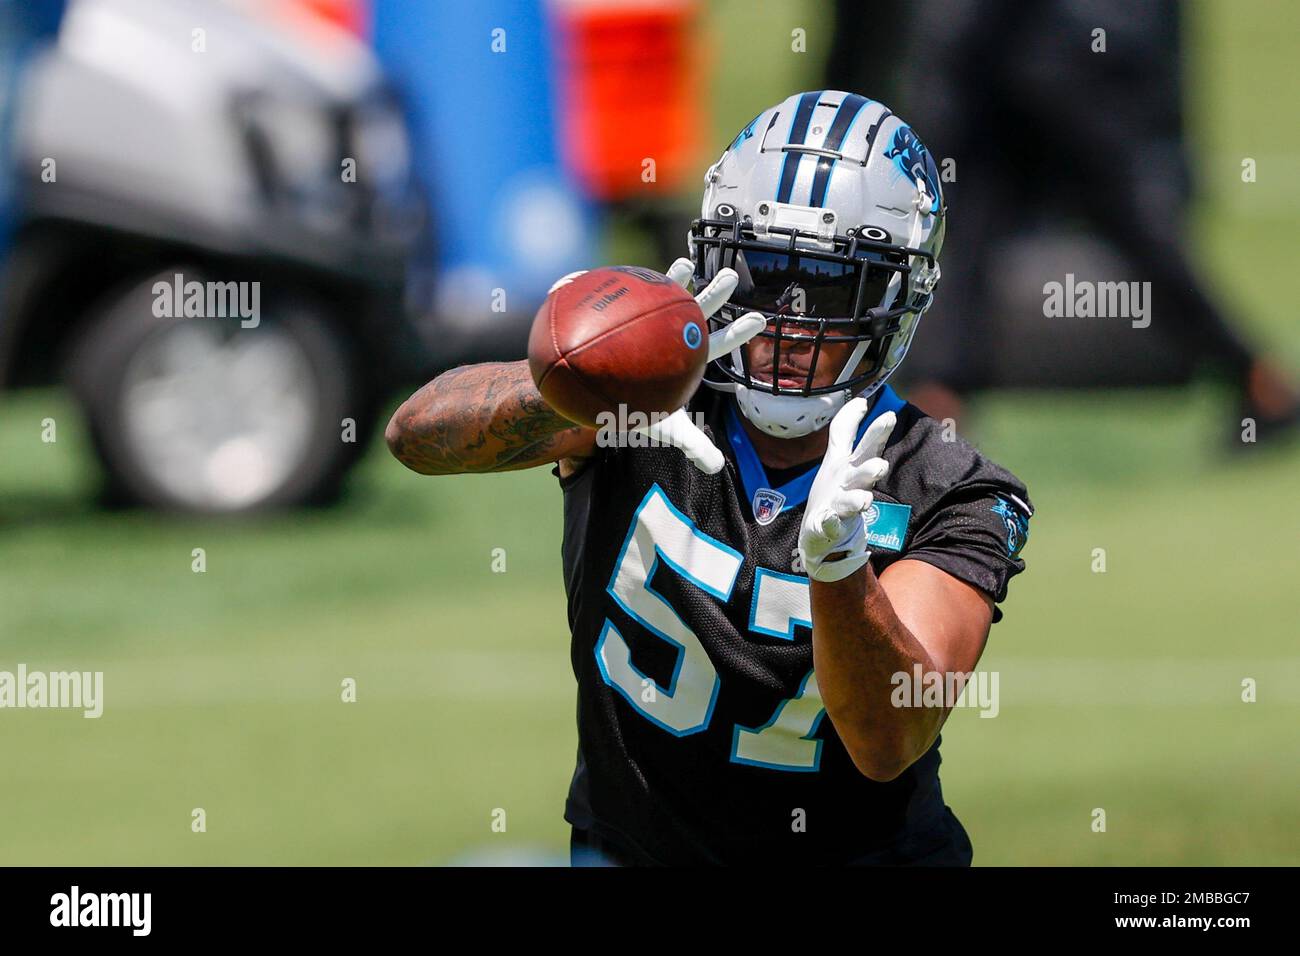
pixel 794 492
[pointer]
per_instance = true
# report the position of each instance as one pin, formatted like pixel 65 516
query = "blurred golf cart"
pixel 210 141
pixel 166 145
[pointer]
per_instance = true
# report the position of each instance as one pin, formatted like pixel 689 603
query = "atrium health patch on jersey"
pixel 886 525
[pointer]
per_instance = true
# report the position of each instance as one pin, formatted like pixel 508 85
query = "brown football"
pixel 620 339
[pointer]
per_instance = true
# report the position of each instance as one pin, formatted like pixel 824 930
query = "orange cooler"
pixel 631 89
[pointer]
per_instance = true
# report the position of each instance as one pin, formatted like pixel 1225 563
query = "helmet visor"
pixel 777 282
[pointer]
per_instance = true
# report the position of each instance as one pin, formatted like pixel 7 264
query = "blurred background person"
pixel 1044 120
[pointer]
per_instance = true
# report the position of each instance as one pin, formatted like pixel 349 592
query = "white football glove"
pixel 841 492
pixel 677 429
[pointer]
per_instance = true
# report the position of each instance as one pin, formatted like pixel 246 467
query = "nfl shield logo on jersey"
pixel 767 505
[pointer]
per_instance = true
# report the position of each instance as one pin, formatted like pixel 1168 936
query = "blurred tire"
pixel 202 415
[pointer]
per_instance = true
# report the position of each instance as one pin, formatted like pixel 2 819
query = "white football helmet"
pixel 830 210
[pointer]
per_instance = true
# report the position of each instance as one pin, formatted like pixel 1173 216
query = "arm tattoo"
pixel 480 418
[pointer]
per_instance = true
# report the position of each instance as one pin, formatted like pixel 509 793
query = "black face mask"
pixel 809 296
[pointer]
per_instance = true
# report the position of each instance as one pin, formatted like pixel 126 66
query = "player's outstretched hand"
pixel 677 429
pixel 841 492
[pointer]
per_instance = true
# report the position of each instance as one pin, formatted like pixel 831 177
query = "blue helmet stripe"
pixel 798 130
pixel 847 115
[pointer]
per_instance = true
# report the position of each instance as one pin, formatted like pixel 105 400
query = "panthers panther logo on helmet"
pixel 914 161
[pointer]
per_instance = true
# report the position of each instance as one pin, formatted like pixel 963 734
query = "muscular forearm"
pixel 859 644
pixel 480 418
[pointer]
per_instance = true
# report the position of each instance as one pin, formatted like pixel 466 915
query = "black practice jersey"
pixel 701 733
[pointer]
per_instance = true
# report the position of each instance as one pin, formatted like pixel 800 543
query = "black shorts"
pixel 945 845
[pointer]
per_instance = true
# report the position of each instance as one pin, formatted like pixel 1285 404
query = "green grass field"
pixel 1118 690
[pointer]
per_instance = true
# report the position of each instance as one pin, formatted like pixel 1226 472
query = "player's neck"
pixel 776 452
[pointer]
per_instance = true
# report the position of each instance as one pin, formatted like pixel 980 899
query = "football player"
pixel 746 598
